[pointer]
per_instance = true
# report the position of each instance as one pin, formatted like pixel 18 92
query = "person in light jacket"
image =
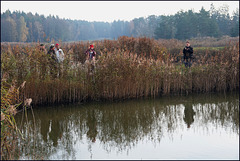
pixel 59 53
pixel 60 58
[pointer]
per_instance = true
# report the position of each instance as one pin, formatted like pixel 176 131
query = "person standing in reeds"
pixel 90 57
pixel 90 53
pixel 53 61
pixel 187 55
pixel 42 48
pixel 59 53
pixel 52 53
pixel 60 58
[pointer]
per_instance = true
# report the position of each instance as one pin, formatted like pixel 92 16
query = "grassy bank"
pixel 125 68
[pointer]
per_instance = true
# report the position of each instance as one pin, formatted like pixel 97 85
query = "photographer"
pixel 187 55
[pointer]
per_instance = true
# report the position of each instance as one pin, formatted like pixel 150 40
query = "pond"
pixel 200 126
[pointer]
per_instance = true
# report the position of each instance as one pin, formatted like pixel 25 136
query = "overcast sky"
pixel 109 11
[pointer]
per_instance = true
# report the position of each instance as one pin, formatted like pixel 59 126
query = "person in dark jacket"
pixel 90 53
pixel 187 55
pixel 51 52
pixel 42 48
pixel 53 61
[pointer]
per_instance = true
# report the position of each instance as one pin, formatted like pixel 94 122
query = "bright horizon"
pixel 108 11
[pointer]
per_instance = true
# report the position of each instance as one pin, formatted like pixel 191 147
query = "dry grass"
pixel 125 68
pixel 9 130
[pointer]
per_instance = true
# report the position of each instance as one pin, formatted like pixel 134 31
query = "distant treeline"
pixel 25 27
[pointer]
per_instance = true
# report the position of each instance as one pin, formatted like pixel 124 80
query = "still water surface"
pixel 193 127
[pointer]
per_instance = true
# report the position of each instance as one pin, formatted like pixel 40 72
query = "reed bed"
pixel 10 101
pixel 124 68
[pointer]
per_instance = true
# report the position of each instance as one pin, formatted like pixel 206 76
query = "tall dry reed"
pixel 125 68
pixel 10 133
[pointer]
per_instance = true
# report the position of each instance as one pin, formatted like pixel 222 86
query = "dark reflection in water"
pixel 71 132
pixel 92 125
pixel 188 114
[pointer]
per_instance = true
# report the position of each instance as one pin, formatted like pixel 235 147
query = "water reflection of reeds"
pixel 121 126
pixel 224 114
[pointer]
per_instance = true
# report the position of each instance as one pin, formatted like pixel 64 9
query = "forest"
pixel 19 26
pixel 138 59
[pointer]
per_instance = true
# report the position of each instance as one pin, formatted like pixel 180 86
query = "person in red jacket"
pixel 90 53
pixel 90 60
